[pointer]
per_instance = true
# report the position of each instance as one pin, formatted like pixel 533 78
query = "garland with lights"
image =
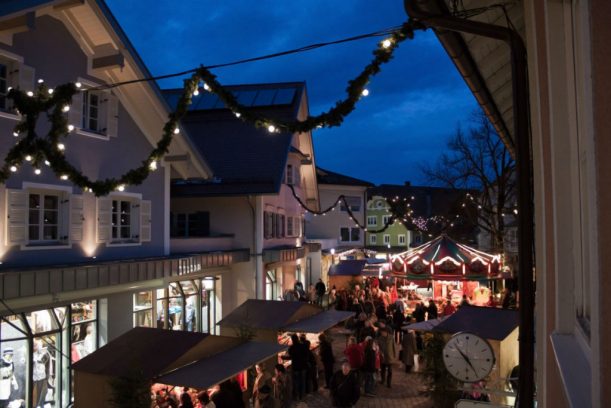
pixel 54 103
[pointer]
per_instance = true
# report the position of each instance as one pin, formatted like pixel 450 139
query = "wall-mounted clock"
pixel 468 357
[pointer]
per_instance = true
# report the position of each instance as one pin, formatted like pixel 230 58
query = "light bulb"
pixel 176 131
pixel 206 86
pixel 47 162
pixel 64 177
pixel 50 90
pixel 121 187
pixel 70 128
pixel 237 114
pixel 78 84
pixel 15 134
pixel 61 146
pixel 65 108
pixel 386 43
pixel 271 128
pixel 28 158
pixel 13 168
pixel 37 171
pixel 365 92
pixel 40 81
pixel 153 165
pixel 196 92
pixel 30 93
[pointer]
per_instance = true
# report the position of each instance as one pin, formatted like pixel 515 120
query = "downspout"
pixel 257 244
pixel 524 174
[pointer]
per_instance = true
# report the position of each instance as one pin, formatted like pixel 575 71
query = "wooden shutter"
pixel 26 78
pixel 75 114
pixel 17 209
pixel 76 218
pixel 145 220
pixel 112 115
pixel 265 224
pixel 289 227
pixel 104 219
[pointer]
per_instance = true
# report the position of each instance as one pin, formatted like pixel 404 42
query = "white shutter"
pixel 145 220
pixel 76 218
pixel 104 218
pixel 75 114
pixel 112 115
pixel 26 78
pixel 17 209
pixel 64 217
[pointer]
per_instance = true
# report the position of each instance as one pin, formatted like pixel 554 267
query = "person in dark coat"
pixel 369 367
pixel 225 397
pixel 432 310
pixel 345 389
pixel 298 354
pixel 419 312
pixel 320 291
pixel 326 356
pixel 312 366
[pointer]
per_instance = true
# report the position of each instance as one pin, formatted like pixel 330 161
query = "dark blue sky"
pixel 416 102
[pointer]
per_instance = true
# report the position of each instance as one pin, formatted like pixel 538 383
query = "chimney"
pixel 407 183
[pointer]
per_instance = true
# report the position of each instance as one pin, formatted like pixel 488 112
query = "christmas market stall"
pixel 167 363
pixel 454 269
pixel 348 272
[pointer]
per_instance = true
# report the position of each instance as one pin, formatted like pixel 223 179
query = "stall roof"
pixel 427 325
pixel 268 314
pixel 319 322
pixel 349 267
pixel 151 350
pixel 487 322
pixel 219 367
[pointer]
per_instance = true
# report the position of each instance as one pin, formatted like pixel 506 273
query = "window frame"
pixel 399 236
pixel 373 239
pixel 375 220
pixel 385 219
pixel 350 201
pixel 386 239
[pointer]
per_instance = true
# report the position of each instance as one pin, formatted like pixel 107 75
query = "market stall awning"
pixel 319 322
pixel 488 322
pixel 445 259
pixel 427 325
pixel 268 314
pixel 222 366
pixel 348 267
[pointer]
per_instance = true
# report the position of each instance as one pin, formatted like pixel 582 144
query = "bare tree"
pixel 479 161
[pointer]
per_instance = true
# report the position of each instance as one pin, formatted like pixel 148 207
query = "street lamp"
pixel 332 256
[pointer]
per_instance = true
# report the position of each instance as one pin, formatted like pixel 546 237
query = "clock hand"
pixel 467 360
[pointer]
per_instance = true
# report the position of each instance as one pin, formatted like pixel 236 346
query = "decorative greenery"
pixel 54 103
pixel 130 391
pixel 443 387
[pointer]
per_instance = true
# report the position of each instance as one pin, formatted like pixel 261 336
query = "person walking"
pixel 320 291
pixel 432 311
pixel 408 350
pixel 388 353
pixel 325 353
pixel 281 391
pixel 345 389
pixel 258 383
pixel 369 367
pixel 298 355
pixel 354 354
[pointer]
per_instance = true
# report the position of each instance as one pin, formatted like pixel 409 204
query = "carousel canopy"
pixel 445 259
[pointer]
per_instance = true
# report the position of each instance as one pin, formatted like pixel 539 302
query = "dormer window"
pixel 292 175
pixel 95 112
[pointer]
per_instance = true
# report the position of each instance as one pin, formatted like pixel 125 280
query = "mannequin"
pixel 40 357
pixel 8 382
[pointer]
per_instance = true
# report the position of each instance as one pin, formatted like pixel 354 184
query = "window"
pixel 143 309
pixel 347 234
pixel 43 217
pixel 372 220
pixel 289 175
pixel 289 227
pixel 270 285
pixel 94 113
pixel 91 111
pixel 190 225
pixel 386 239
pixel 353 202
pixel 401 239
pixel 4 78
pixel 385 219
pixel 15 74
pixel 84 339
pixel 121 220
pixel 380 204
pixel 373 239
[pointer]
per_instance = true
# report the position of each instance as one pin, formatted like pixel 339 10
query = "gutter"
pixel 443 21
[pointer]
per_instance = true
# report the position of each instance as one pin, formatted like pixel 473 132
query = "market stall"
pixel 169 359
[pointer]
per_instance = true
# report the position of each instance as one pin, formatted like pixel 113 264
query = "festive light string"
pixel 54 103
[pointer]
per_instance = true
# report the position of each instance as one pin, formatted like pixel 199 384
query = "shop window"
pixel 84 340
pixel 270 285
pixel 143 309
pixel 353 202
pixel 208 301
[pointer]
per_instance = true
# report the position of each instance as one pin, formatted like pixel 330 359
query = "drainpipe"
pixel 257 242
pixel 524 174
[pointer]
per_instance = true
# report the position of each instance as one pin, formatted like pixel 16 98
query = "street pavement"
pixel 407 389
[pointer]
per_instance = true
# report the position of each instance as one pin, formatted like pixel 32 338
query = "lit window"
pixel 43 217
pixel 121 220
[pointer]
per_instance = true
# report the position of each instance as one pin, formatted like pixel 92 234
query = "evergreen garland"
pixel 54 104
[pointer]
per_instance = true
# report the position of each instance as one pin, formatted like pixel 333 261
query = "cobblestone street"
pixel 406 392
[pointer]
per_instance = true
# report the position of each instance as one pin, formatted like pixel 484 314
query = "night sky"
pixel 415 103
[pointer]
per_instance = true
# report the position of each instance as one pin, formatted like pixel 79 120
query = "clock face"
pixel 468 357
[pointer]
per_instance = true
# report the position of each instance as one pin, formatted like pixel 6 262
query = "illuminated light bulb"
pixel 15 134
pixel 271 128
pixel 50 90
pixel 121 187
pixel 47 162
pixel 64 177
pixel 65 108
pixel 9 89
pixel 206 86
pixel 28 158
pixel 61 146
pixel 176 131
pixel 70 128
pixel 37 171
pixel 196 92
pixel 237 114
pixel 153 165
pixel 30 93
pixel 515 211
pixel 40 81
pixel 386 43
pixel 78 84
pixel 365 92
pixel 13 168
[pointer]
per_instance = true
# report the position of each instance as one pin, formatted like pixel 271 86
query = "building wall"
pixel 377 207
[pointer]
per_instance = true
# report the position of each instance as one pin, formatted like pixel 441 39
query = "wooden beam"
pixel 18 24
pixel 66 4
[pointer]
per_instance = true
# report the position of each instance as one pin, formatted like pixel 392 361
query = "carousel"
pixel 451 270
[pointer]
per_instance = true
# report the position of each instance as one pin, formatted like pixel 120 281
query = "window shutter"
pixel 297 226
pixel 17 210
pixel 75 114
pixel 26 78
pixel 112 115
pixel 104 218
pixel 289 227
pixel 145 220
pixel 76 218
pixel 265 226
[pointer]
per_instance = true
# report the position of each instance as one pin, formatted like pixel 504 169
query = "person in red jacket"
pixel 354 353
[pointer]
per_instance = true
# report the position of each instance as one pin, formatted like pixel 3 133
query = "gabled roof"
pixel 329 177
pixel 268 314
pixel 244 159
pixel 487 322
